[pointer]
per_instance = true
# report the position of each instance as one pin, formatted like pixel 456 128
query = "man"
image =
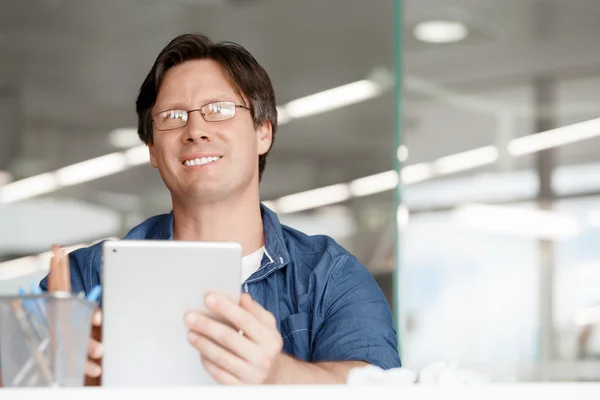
pixel 310 311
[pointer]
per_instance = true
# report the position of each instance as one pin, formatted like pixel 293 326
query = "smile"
pixel 200 161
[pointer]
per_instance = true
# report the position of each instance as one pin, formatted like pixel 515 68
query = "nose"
pixel 197 129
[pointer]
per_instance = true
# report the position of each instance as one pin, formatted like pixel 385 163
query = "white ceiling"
pixel 72 69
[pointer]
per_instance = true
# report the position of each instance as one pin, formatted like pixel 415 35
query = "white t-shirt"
pixel 251 263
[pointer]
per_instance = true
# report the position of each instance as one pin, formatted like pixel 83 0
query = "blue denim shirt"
pixel 327 305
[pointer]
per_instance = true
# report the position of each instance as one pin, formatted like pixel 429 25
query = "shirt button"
pixel 281 260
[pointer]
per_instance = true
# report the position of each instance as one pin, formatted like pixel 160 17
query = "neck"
pixel 230 220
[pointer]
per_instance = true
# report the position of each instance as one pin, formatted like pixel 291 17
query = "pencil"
pixel 59 277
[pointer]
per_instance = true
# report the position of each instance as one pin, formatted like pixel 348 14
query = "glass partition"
pixel 497 259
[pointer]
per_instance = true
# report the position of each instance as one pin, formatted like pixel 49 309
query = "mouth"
pixel 201 161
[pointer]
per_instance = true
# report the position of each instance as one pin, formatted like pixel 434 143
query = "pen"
pixel 94 294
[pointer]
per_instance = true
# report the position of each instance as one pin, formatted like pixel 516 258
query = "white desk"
pixel 575 391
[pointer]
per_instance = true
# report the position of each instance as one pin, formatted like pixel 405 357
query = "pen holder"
pixel 44 339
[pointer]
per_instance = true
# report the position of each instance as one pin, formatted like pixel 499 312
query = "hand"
pixel 247 353
pixel 95 350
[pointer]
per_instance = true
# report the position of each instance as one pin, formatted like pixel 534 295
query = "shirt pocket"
pixel 295 330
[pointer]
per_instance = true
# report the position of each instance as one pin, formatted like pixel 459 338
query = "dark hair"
pixel 249 80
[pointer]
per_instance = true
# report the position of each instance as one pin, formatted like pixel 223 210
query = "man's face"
pixel 190 86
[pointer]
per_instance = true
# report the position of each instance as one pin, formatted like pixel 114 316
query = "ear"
pixel 153 160
pixel 264 137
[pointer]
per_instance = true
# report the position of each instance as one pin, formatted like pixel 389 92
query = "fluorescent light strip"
pixel 283 117
pixel 270 204
pixel 91 169
pixel 554 138
pixel 313 198
pixel 402 216
pixel 417 173
pixel 440 32
pixel 320 102
pixel 137 155
pixel 31 264
pixel 384 181
pixel 402 212
pixel 333 98
pixel 466 160
pixel 124 138
pixel 28 187
pixel 116 162
pixel 374 184
pixel 73 174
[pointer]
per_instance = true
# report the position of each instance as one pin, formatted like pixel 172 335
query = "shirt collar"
pixel 275 249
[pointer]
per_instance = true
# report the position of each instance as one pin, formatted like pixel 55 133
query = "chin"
pixel 206 195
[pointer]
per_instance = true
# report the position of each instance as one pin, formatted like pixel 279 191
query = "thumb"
pixel 247 303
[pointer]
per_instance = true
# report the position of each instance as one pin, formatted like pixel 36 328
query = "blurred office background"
pixel 497 262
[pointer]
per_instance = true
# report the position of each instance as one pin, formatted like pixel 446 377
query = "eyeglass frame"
pixel 236 106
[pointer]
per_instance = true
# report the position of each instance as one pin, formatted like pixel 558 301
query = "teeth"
pixel 200 161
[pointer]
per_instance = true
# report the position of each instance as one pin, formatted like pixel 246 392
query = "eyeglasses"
pixel 212 112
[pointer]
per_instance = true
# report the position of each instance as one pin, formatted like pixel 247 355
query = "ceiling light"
pixel 440 32
pixel 28 265
pixel 270 205
pixel 333 98
pixel 402 216
pixel 374 184
pixel 402 153
pixel 466 160
pixel 124 138
pixel 519 221
pixel 283 117
pixel 137 155
pixel 91 169
pixel 417 173
pixel 313 198
pixel 28 187
pixel 554 138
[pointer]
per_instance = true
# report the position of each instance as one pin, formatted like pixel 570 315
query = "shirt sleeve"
pixel 357 322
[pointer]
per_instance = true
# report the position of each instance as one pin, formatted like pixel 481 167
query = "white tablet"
pixel 148 286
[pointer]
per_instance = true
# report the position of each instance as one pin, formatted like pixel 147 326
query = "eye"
pixel 180 115
pixel 219 110
pixel 213 108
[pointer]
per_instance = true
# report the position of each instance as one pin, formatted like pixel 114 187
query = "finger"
pixel 248 303
pixel 97 318
pixel 95 349
pixel 225 336
pixel 239 317
pixel 92 369
pixel 219 374
pixel 222 358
